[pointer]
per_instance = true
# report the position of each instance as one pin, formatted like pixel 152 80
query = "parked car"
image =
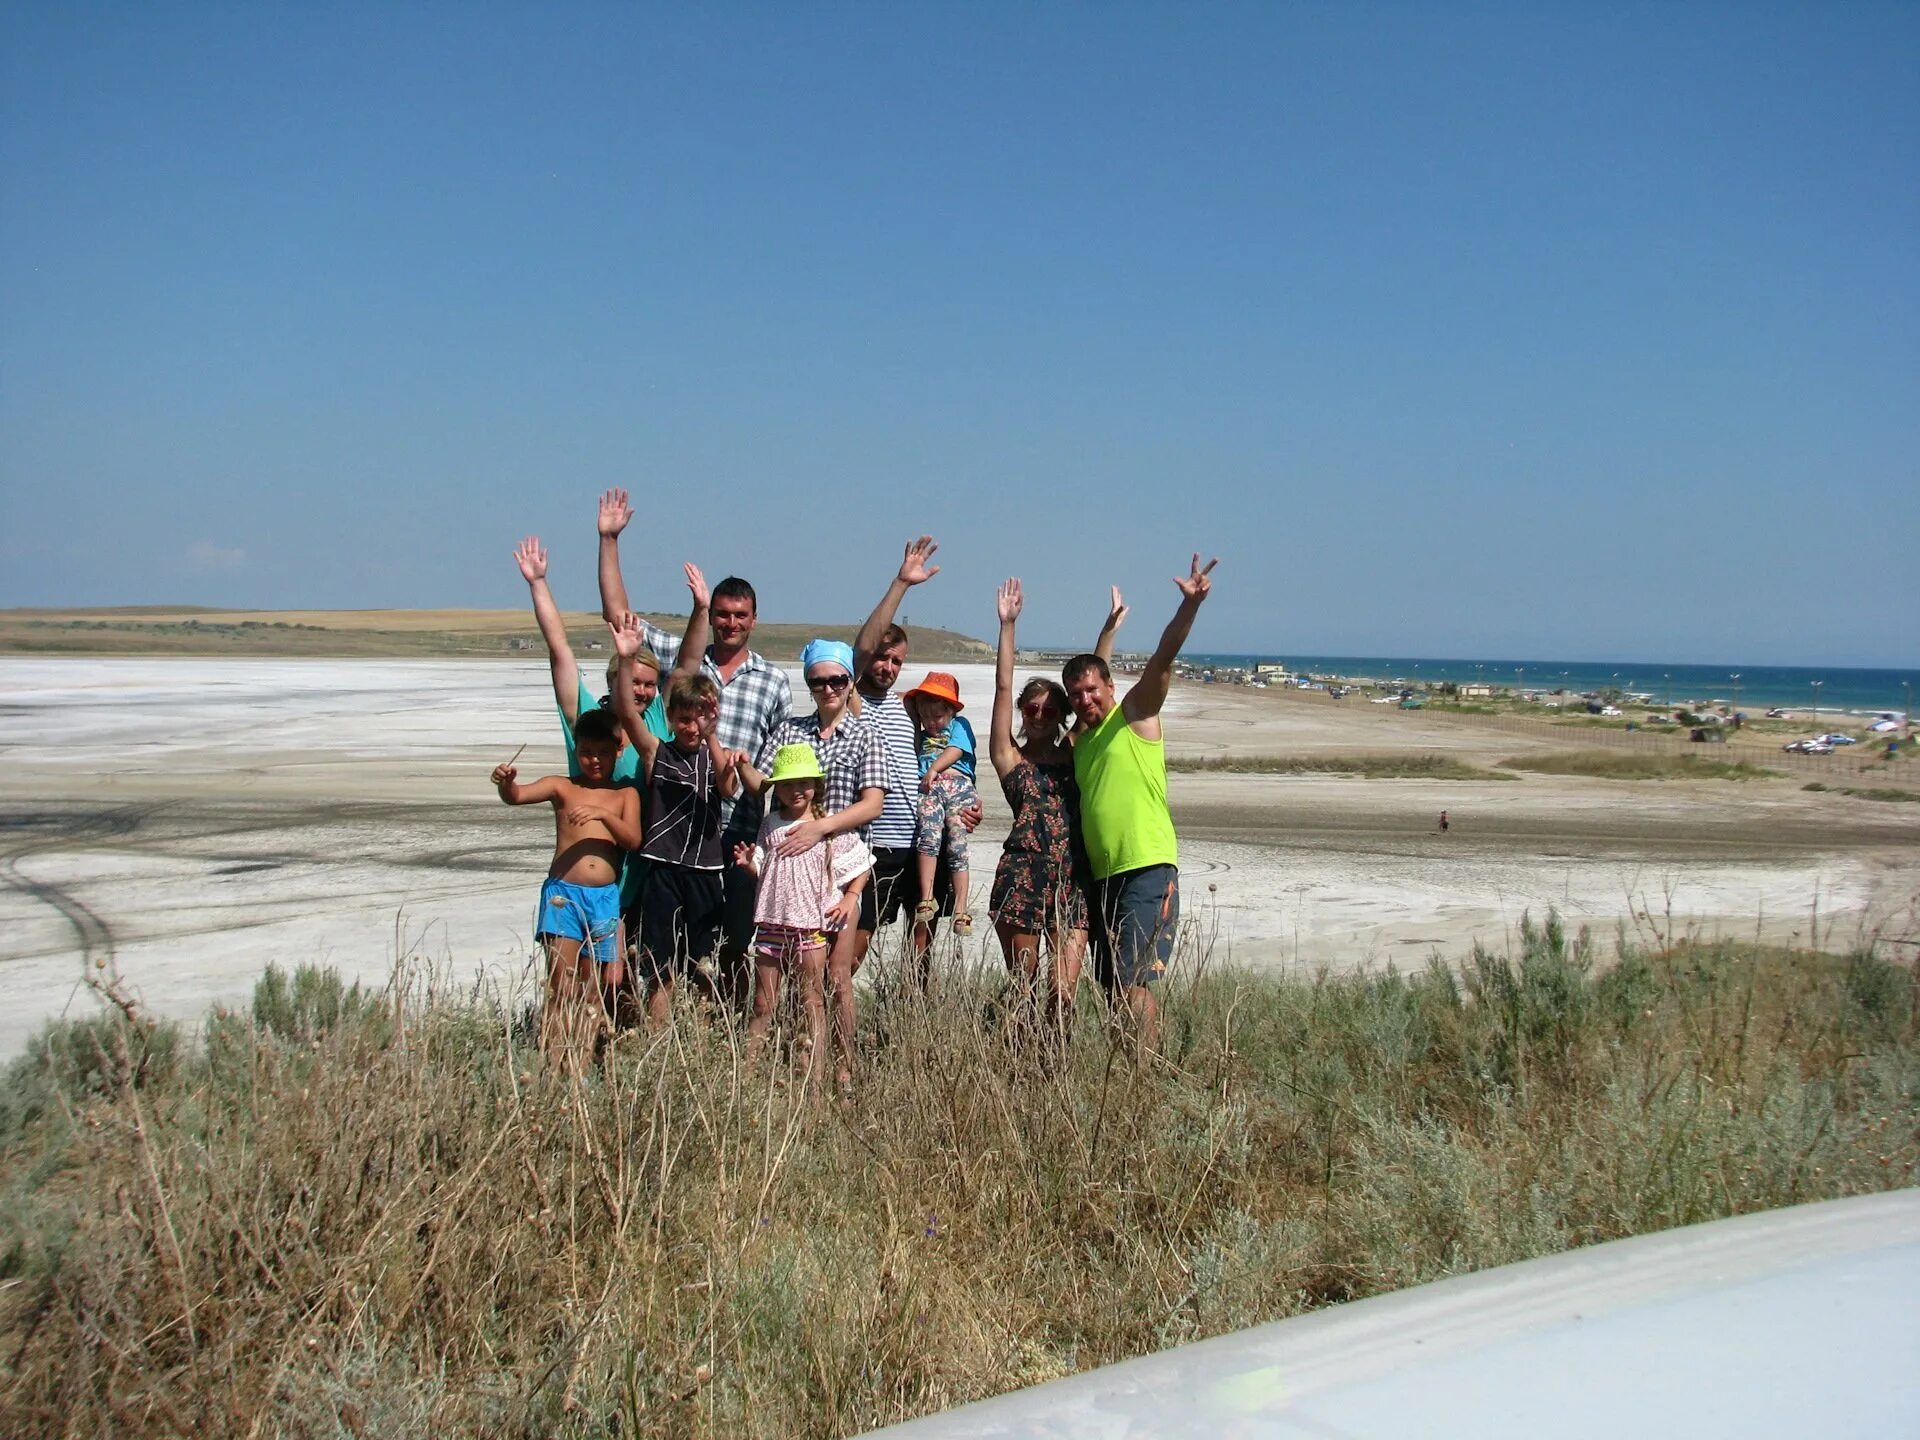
pixel 1807 747
pixel 1836 738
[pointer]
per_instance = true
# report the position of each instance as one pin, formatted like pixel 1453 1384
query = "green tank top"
pixel 1123 798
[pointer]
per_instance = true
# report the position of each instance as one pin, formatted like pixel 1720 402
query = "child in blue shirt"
pixel 946 790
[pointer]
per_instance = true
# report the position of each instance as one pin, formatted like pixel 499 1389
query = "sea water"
pixel 1758 687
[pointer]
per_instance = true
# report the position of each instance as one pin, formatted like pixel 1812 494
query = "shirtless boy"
pixel 595 822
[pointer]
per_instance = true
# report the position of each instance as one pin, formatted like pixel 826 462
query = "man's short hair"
pixel 734 588
pixel 891 636
pixel 1079 665
pixel 595 724
pixel 692 692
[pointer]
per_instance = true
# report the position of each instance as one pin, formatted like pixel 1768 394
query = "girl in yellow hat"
pixel 802 899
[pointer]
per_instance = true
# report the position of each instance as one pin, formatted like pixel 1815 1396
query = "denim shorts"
pixel 1133 919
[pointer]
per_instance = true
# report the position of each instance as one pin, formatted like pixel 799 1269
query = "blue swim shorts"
pixel 587 913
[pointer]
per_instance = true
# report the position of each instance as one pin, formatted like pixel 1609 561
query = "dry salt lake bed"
pixel 191 821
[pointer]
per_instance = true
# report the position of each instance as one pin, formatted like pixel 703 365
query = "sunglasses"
pixel 829 682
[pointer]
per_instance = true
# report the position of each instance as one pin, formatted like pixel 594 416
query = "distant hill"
pixel 467 634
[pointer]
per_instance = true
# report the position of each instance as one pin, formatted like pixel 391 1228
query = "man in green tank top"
pixel 1120 761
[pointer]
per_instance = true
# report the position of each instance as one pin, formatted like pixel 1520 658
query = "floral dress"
pixel 1037 890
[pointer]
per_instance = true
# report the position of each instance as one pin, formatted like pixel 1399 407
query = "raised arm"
pixel 726 763
pixel 1116 617
pixel 1143 701
pixel 531 556
pixel 693 648
pixel 615 512
pixel 914 570
pixel 626 645
pixel 1000 747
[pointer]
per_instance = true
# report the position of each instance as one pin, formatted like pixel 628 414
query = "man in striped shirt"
pixel 880 652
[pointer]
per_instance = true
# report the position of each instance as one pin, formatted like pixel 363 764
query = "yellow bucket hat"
pixel 795 762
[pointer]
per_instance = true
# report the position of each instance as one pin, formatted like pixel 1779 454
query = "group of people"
pixel 706 835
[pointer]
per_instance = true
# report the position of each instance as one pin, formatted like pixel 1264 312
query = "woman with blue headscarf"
pixel 855 760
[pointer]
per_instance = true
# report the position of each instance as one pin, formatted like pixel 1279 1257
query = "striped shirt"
pixel 853 756
pixel 752 705
pixel 889 715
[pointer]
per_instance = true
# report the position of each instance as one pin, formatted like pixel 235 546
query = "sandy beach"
pixel 193 820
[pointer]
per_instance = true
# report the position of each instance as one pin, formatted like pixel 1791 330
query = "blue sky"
pixel 1513 330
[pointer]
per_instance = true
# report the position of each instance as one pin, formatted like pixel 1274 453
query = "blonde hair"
pixel 646 657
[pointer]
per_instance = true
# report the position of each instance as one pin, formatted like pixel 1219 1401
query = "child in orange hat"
pixel 946 789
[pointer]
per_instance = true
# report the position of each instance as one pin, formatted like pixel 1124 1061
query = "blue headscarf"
pixel 826 652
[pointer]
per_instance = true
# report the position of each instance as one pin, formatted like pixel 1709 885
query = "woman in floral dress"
pixel 1037 902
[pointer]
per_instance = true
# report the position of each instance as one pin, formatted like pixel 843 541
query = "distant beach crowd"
pixel 710 839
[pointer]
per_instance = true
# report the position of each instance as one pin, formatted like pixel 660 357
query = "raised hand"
pixel 1196 583
pixel 531 556
pixel 1118 609
pixel 709 720
pixel 627 636
pixel 697 583
pixel 1011 601
pixel 503 776
pixel 615 512
pixel 914 569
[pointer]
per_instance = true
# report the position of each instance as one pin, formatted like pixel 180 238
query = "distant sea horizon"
pixel 1760 687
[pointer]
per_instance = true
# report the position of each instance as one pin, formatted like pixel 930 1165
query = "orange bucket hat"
pixel 938 685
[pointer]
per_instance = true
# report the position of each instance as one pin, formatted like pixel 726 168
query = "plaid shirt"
pixel 752 705
pixel 854 757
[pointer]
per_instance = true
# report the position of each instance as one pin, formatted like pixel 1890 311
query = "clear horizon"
pixel 1501 332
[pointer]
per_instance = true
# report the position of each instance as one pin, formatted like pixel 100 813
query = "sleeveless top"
pixel 1123 798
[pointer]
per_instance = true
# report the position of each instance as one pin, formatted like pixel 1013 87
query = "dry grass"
pixel 1638 765
pixel 1403 766
pixel 1890 796
pixel 372 1215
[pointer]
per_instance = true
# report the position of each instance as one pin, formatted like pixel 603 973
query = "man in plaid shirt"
pixel 755 696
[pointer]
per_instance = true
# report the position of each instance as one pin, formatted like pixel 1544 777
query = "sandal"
pixel 963 923
pixel 924 912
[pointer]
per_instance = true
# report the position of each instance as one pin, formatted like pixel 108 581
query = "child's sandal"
pixel 963 923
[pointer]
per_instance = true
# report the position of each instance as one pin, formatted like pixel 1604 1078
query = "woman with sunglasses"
pixel 855 761
pixel 1037 900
